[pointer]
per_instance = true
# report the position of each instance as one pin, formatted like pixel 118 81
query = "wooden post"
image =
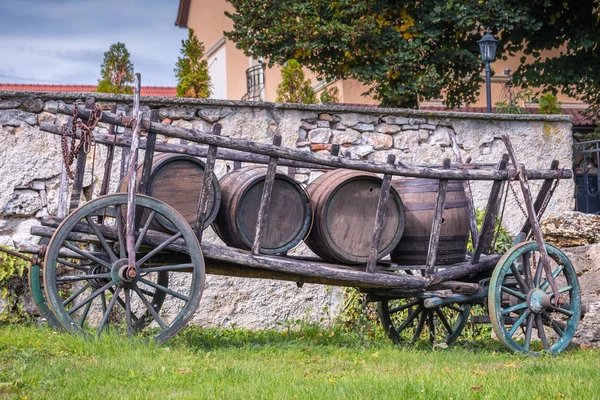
pixel 436 224
pixel 265 200
pixel 125 152
pixel 131 170
pixel 80 167
pixel 539 200
pixel 110 155
pixel 491 214
pixel 148 156
pixel 206 190
pixel 382 206
pixel 533 220
pixel 467 186
pixel 63 194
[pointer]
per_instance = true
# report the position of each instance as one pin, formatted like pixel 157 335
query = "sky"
pixel 63 41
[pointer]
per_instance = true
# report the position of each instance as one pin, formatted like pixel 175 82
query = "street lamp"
pixel 487 48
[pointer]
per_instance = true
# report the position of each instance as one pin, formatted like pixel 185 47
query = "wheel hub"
pixel 121 275
pixel 97 283
pixel 538 300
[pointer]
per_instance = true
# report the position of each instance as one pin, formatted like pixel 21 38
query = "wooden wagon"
pixel 107 263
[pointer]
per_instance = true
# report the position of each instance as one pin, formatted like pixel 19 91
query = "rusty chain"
pixel 86 136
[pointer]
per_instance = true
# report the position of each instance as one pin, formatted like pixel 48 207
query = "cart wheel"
pixel 520 294
pixel 37 292
pixel 85 270
pixel 407 320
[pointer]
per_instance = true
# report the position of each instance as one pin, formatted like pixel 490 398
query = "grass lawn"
pixel 308 363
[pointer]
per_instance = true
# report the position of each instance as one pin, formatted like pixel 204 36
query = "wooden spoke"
pixel 140 239
pixel 420 324
pixel 555 273
pixel 431 326
pixel 124 305
pixel 520 281
pixel 410 318
pixel 514 293
pixel 527 269
pixel 159 248
pixel 404 306
pixel 538 272
pixel 121 235
pixel 514 308
pixel 444 320
pixel 76 278
pixel 456 308
pixel 541 334
pixel 528 331
pixel 128 313
pixel 157 317
pixel 518 322
pixel 554 324
pixel 177 267
pixel 74 295
pixel 72 265
pixel 111 305
pixel 86 254
pixel 561 310
pixel 90 297
pixel 101 238
pixel 165 289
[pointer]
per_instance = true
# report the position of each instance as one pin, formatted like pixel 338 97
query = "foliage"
pixel 191 69
pixel 406 50
pixel 514 101
pixel 312 364
pixel 116 72
pixel 294 87
pixel 359 316
pixel 503 241
pixel 13 284
pixel 330 95
pixel 549 104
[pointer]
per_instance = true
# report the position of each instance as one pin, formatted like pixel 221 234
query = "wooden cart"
pixel 105 266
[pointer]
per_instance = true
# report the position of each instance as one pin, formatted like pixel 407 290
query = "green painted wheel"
pixel 407 320
pixel 37 292
pixel 85 278
pixel 521 311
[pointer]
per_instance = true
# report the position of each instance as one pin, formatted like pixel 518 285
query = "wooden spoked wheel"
pixel 408 320
pixel 85 277
pixel 524 315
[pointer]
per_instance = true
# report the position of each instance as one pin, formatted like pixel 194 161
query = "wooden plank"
pixel 206 190
pixel 382 206
pixel 464 270
pixel 327 160
pixel 132 169
pixel 467 186
pixel 63 194
pixel 265 200
pixel 80 166
pixel 533 220
pixel 148 156
pixel 436 224
pixel 539 201
pixel 110 155
pixel 491 214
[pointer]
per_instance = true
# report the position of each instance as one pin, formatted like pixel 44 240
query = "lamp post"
pixel 487 48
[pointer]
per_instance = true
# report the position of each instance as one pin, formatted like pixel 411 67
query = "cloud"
pixel 63 41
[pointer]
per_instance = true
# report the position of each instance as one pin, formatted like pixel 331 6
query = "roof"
pixel 156 91
pixel 579 118
pixel 182 13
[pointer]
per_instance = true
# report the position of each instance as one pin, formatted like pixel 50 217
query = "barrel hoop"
pixel 456 238
pixel 423 207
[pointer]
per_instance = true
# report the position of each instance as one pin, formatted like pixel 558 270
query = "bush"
pixel 549 104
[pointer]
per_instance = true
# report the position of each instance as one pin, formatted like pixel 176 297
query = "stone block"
pixel 410 127
pixel 417 121
pixel 387 128
pixel 177 112
pixel 17 117
pixel 9 103
pixel 201 126
pixel 326 117
pixel 307 125
pixel 347 136
pixel 429 127
pixel 322 124
pixel 46 117
pixel 395 120
pixel 379 141
pixel 23 203
pixel 210 114
pixel 338 126
pixel 423 136
pixel 319 135
pixel 352 119
pixel 302 134
pixel 181 123
pixel 364 127
pixel 572 229
pixel 33 105
pixel 360 151
pixel 439 137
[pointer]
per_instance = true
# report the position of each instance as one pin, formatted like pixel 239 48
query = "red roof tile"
pixel 159 91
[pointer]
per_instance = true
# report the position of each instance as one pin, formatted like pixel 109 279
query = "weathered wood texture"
pixel 265 200
pixel 382 207
pixel 204 200
pixel 131 172
pixel 467 187
pixel 177 180
pixel 539 200
pixel 419 198
pixel 488 227
pixel 80 165
pixel 345 206
pixel 148 157
pixel 290 214
pixel 436 224
pixel 322 159
pixel 110 155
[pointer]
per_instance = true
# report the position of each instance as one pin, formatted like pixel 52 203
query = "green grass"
pixel 307 363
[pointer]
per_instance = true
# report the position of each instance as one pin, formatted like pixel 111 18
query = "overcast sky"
pixel 63 41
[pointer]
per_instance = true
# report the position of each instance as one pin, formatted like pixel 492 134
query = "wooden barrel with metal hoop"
pixel 177 180
pixel 419 197
pixel 344 204
pixel 289 215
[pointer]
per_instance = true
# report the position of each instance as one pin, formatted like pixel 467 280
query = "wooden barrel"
pixel 289 215
pixel 344 204
pixel 419 197
pixel 177 179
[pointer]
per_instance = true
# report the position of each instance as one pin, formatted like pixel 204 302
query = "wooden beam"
pixel 436 224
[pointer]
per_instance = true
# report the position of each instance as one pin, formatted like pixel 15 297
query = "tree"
pixel 406 50
pixel 116 72
pixel 191 69
pixel 294 87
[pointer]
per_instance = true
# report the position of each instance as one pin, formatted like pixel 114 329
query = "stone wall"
pixel 31 161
